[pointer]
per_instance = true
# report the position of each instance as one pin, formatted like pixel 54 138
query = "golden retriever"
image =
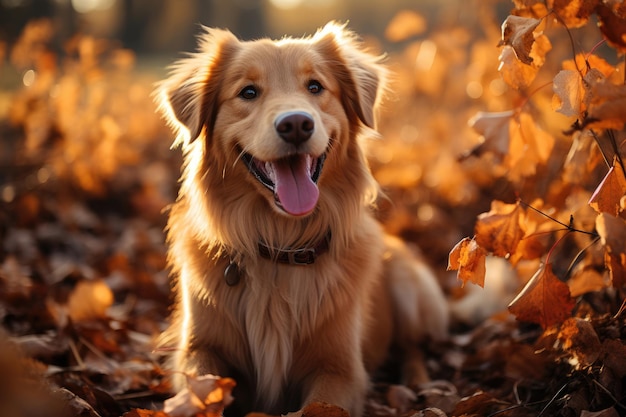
pixel 284 280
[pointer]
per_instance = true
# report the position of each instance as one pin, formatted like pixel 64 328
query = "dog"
pixel 283 278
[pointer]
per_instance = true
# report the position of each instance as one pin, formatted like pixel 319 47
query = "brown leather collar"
pixel 300 256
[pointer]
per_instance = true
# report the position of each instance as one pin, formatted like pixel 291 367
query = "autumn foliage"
pixel 502 159
pixel 588 91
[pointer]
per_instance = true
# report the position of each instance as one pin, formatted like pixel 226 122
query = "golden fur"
pixel 288 334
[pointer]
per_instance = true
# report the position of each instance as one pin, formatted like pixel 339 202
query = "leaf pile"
pixel 502 159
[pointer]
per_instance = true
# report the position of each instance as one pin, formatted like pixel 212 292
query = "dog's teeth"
pixel 269 170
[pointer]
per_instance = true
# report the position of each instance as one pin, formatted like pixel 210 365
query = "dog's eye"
pixel 315 87
pixel 249 92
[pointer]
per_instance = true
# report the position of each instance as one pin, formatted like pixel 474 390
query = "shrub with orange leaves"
pixel 589 91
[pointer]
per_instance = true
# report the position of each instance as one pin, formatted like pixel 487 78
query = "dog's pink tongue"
pixel 296 191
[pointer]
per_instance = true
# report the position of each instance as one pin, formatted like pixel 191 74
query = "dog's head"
pixel 286 114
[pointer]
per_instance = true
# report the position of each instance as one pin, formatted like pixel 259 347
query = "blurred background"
pixel 166 26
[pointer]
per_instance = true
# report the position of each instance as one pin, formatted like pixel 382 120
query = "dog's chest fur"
pixel 276 310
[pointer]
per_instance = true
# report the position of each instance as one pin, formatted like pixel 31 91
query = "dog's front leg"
pixel 333 367
pixel 341 388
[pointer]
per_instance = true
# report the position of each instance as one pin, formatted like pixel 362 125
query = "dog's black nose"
pixel 295 127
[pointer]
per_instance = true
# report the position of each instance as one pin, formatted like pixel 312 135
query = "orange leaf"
pixel 500 230
pixel 517 32
pixel 137 412
pixel 206 395
pixel 607 104
pixel 529 146
pixel 89 300
pixel 494 128
pixel 587 280
pixel 612 231
pixel 515 73
pixel 544 300
pixel 469 260
pixel 573 13
pixel 568 93
pixel 607 197
pixel 580 338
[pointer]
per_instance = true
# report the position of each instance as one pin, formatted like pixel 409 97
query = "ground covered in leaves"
pixel 502 159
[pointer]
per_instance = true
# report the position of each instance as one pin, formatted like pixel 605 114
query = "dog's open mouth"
pixel 293 180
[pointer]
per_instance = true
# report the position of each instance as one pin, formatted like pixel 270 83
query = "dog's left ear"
pixel 362 76
pixel 188 97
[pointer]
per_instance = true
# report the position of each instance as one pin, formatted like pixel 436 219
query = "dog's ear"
pixel 188 97
pixel 362 76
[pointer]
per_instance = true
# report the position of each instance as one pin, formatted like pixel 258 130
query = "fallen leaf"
pixel 614 356
pixel 145 413
pixel 478 404
pixel 607 196
pixel 469 260
pixel 500 230
pixel 401 398
pixel 320 409
pixel 544 300
pixel 579 338
pixel 205 395
pixel 608 412
pixel 89 300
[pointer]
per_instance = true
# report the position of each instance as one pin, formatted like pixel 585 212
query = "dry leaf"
pixel 608 412
pixel 469 260
pixel 404 25
pixel 581 340
pixel 545 300
pixel 500 230
pixel 612 231
pixel 515 73
pixel 568 93
pixel 517 32
pixel 319 409
pixel 614 356
pixel 586 281
pixel 530 146
pixel 607 196
pixel 613 27
pixel 573 13
pixel 145 413
pixel 582 157
pixel 205 396
pixel 618 7
pixel 494 128
pixel 606 104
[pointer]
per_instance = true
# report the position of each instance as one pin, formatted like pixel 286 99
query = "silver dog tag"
pixel 232 274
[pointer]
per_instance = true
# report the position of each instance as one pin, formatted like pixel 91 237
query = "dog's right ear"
pixel 188 97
